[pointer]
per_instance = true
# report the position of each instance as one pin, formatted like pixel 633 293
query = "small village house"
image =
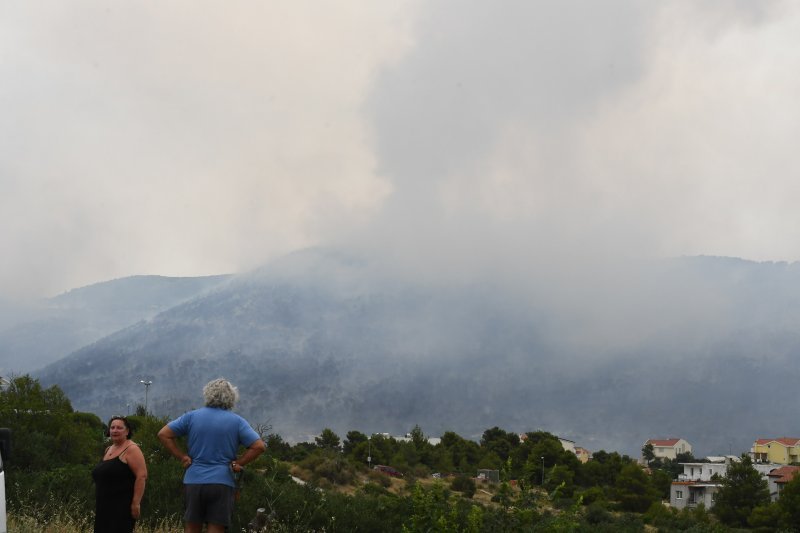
pixel 778 478
pixel 583 454
pixel 782 451
pixel 700 482
pixel 669 448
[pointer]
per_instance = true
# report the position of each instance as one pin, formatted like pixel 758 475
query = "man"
pixel 214 435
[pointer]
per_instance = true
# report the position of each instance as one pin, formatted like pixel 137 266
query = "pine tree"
pixel 742 490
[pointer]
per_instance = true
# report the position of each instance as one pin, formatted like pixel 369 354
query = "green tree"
pixel 301 450
pixel 633 489
pixel 544 454
pixel 504 495
pixel 765 517
pixel 789 503
pixel 648 452
pixel 328 440
pixel 560 482
pixel 475 520
pixel 383 449
pixel 499 442
pixel 687 457
pixel 353 439
pixel 25 394
pixel 46 432
pixel 743 489
pixel 454 450
pixel 277 447
pixel 422 448
pixel 491 461
pixel 662 481
pixel 431 511
pixel 602 470
pixel 441 460
pixel 418 437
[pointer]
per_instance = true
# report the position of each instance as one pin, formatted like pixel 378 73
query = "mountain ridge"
pixel 325 340
pixel 35 334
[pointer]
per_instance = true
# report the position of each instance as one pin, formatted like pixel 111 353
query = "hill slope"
pixel 39 333
pixel 324 339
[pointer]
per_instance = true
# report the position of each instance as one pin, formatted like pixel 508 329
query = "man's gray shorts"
pixel 210 503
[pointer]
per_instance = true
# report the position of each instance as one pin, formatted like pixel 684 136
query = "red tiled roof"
pixel 663 442
pixel 784 473
pixel 786 441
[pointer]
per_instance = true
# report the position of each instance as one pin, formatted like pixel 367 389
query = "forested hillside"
pixel 34 334
pixel 330 338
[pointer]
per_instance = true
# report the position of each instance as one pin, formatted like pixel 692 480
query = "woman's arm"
pixel 137 464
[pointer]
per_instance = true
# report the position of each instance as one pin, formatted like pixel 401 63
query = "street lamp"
pixel 146 390
pixel 543 470
pixel 369 452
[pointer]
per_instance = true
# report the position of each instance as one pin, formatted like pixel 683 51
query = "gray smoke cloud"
pixel 549 140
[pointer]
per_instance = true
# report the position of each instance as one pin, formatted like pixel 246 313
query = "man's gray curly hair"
pixel 220 393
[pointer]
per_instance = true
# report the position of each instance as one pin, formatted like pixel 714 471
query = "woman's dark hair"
pixel 124 421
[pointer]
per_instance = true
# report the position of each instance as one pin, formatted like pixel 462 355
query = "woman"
pixel 119 480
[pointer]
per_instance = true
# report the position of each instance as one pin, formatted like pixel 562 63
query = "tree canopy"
pixel 57 447
pixel 742 490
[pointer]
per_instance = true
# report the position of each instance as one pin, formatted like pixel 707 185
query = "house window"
pixel 679 494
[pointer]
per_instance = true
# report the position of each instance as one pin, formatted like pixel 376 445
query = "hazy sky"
pixel 196 137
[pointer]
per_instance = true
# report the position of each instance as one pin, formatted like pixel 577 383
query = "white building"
pixel 568 445
pixel 700 482
pixel 669 448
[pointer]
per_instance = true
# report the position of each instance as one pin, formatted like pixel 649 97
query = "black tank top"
pixel 114 492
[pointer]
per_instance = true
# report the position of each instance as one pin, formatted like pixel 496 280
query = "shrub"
pixel 593 495
pixel 465 485
pixel 420 471
pixel 596 513
pixel 563 503
pixel 381 479
pixel 373 489
pixel 334 470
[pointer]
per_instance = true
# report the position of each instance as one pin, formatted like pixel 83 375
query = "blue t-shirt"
pixel 214 436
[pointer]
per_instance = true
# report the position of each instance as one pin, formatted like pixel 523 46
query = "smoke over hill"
pixel 702 348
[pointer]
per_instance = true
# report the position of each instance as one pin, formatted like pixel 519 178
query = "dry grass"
pixel 42 520
pixel 65 524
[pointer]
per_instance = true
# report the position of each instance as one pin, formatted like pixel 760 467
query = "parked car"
pixel 388 470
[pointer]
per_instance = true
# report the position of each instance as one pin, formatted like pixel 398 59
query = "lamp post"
pixel 369 452
pixel 543 470
pixel 146 390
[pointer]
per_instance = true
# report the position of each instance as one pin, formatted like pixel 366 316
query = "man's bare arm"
pixel 167 438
